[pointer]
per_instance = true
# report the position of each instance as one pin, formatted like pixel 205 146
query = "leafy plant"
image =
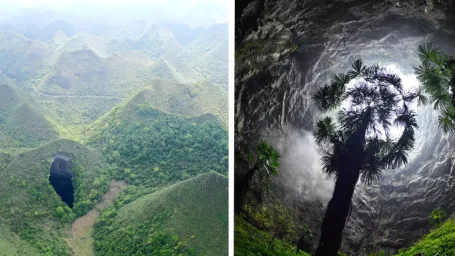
pixel 436 73
pixel 437 217
pixel 440 241
pixel 263 161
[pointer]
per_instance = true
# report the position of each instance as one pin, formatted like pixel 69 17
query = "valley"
pixel 134 116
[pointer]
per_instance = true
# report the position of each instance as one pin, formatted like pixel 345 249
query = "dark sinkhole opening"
pixel 61 178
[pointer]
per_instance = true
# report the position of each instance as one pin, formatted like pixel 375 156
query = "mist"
pixel 199 13
pixel 301 170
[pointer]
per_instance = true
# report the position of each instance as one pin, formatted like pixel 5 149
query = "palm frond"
pixel 431 53
pixel 321 98
pixel 372 164
pixel 325 128
pixel 446 123
pixel 421 98
pixel 329 96
pixel 341 79
pixel 395 159
pixel 330 164
pixel 407 119
pixel 269 157
pixel 390 79
pixel 440 101
pixel 372 172
pixel 357 69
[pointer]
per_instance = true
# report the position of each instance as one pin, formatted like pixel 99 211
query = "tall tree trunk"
pixel 336 214
pixel 241 187
pixel 339 206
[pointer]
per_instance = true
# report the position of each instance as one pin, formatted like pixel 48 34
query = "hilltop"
pixel 184 99
pixel 21 125
pixel 192 215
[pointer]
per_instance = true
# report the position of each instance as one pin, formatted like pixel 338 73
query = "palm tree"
pixel 359 145
pixel 436 72
pixel 265 160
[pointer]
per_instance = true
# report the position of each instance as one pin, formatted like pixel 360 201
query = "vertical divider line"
pixel 231 22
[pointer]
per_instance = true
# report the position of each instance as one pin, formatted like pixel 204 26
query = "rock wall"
pixel 285 50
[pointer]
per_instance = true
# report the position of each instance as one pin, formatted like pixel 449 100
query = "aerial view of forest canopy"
pixel 113 128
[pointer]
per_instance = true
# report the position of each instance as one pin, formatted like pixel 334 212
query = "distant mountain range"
pixel 141 103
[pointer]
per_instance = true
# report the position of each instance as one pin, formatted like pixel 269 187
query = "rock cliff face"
pixel 285 50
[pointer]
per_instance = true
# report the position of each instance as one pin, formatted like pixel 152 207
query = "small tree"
pixel 60 212
pixel 275 218
pixel 265 160
pixel 437 217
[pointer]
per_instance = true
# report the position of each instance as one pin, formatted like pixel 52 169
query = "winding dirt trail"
pixel 82 228
pixel 57 95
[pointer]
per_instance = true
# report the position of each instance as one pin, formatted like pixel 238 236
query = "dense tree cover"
pixel 88 192
pixel 152 147
pixel 359 144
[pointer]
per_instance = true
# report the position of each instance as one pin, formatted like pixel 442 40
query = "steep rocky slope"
pixel 285 50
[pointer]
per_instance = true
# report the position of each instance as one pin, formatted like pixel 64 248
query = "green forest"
pixel 138 113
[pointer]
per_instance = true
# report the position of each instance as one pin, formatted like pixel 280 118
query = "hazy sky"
pixel 59 4
pixel 194 12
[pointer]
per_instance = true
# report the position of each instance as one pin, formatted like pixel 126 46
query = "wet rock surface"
pixel 285 50
pixel 61 178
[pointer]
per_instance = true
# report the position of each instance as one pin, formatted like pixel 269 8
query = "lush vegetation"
pixel 437 76
pixel 251 241
pixel 59 92
pixel 275 218
pixel 182 219
pixel 148 147
pixel 263 164
pixel 31 207
pixel 358 143
pixel 437 217
pixel 11 244
pixel 440 241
